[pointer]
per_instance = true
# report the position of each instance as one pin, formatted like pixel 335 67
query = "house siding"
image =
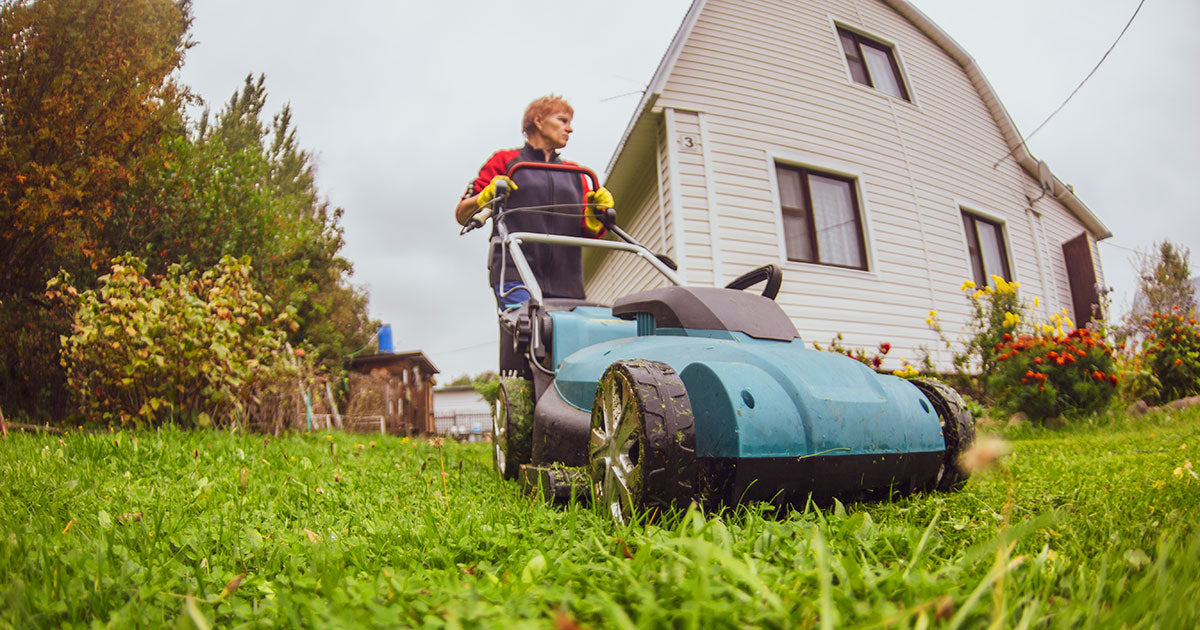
pixel 762 81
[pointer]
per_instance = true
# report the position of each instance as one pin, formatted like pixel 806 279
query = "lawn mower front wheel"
pixel 512 427
pixel 642 449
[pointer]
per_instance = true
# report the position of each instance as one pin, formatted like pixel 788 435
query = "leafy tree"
pixel 1164 286
pixel 86 98
pixel 98 159
pixel 240 186
pixel 1164 281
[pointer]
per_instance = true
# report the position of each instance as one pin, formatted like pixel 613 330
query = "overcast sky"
pixel 402 101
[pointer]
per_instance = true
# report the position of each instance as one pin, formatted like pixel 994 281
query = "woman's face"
pixel 555 128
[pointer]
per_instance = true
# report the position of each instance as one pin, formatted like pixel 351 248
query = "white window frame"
pixel 821 164
pixel 897 54
pixel 963 207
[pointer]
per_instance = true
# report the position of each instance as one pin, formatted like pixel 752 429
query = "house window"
pixel 821 220
pixel 986 247
pixel 872 64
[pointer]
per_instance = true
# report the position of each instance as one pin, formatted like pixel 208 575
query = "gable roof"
pixel 636 131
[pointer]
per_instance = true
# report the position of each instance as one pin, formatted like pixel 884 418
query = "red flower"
pixel 1178 361
pixel 1037 359
pixel 1112 378
pixel 885 347
pixel 1007 337
pixel 1098 375
pixel 876 361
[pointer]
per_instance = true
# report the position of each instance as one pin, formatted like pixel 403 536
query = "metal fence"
pixel 462 424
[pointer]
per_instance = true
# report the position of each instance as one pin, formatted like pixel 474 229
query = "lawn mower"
pixel 679 394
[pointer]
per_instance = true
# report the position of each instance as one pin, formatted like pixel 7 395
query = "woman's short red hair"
pixel 548 105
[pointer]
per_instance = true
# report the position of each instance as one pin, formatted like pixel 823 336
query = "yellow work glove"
pixel 600 197
pixel 489 191
pixel 598 201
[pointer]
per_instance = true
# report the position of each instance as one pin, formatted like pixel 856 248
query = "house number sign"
pixel 689 143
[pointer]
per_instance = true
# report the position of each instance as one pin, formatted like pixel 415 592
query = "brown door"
pixel 1082 276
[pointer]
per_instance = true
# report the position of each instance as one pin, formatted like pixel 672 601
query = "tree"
pixel 1164 285
pixel 98 159
pixel 1165 282
pixel 86 99
pixel 239 186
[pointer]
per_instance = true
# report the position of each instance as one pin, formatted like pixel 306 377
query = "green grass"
pixel 1087 527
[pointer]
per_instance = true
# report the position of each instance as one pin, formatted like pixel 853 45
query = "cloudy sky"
pixel 401 101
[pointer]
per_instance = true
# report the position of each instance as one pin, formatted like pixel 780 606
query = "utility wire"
pixel 1073 92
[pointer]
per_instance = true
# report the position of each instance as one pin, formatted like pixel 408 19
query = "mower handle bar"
pixel 513 242
pixel 548 166
pixel 495 207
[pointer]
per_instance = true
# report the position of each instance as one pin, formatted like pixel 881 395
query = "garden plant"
pixel 194 348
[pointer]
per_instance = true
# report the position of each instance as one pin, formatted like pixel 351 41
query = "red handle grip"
pixel 570 168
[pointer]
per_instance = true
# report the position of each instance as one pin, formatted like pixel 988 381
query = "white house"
pixel 460 409
pixel 857 146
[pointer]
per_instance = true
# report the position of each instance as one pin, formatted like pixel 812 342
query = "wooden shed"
pixel 398 387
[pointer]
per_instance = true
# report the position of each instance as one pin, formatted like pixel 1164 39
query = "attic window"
pixel 821 220
pixel 872 64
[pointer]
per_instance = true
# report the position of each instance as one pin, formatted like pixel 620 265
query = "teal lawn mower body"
pixel 680 394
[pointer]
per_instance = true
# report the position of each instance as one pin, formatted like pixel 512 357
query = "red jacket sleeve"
pixel 495 165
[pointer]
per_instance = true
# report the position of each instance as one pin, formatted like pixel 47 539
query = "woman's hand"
pixel 489 191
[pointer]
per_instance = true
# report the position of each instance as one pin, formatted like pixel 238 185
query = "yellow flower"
pixel 1036 302
pixel 978 294
pixel 933 313
pixel 1011 320
pixel 929 321
pixel 966 286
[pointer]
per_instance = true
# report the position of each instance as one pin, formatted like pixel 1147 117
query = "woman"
pixel 558 269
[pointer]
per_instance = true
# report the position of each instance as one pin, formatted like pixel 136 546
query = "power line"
pixel 1073 92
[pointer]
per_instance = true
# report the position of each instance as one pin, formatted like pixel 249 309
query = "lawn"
pixel 1093 526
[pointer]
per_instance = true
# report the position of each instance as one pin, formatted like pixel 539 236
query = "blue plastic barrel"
pixel 385 339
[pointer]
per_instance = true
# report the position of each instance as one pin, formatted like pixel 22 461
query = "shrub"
pixel 1171 356
pixel 995 313
pixel 1049 374
pixel 196 349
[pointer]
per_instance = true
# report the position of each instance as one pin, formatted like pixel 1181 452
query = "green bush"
pixel 1048 375
pixel 194 349
pixel 1171 356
